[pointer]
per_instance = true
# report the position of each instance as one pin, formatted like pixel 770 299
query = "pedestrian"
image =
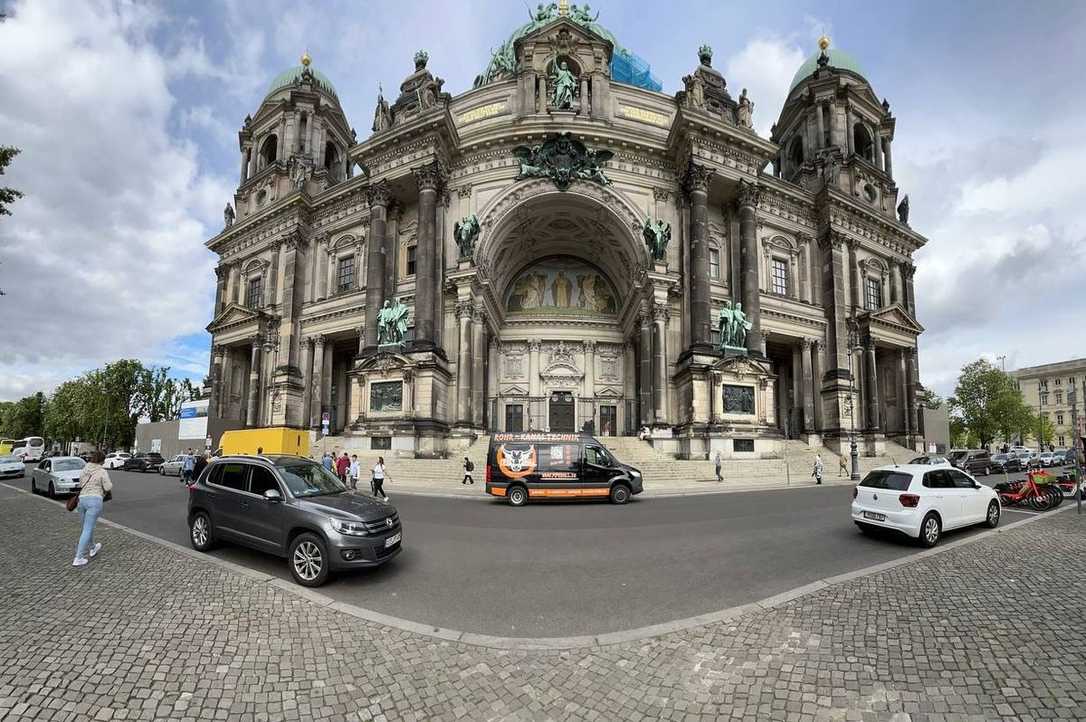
pixel 817 473
pixel 716 463
pixel 95 487
pixel 343 463
pixel 188 464
pixel 354 471
pixel 326 461
pixel 199 466
pixel 468 468
pixel 378 478
pixel 842 467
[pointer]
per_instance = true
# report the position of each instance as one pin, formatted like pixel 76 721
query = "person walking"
pixel 378 478
pixel 198 466
pixel 188 464
pixel 716 463
pixel 327 462
pixel 343 463
pixel 354 471
pixel 817 473
pixel 94 486
pixel 842 467
pixel 468 468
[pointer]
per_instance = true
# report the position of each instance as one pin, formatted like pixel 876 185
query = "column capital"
pixel 661 195
pixel 318 340
pixel 464 191
pixel 749 194
pixel 697 178
pixel 379 194
pixel 661 312
pixel 806 342
pixel 222 270
pixel 589 345
pixel 534 345
pixel 478 315
pixel 430 176
pixel 255 341
pixel 464 310
pixel 908 270
pixel 218 350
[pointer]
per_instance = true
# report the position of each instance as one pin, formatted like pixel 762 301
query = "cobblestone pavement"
pixel 144 632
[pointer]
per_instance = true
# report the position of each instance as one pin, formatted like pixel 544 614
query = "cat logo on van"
pixel 516 463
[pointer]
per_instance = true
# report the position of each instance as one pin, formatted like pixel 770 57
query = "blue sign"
pixel 188 412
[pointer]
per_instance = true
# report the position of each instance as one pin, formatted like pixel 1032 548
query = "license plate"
pixel 394 539
pixel 873 516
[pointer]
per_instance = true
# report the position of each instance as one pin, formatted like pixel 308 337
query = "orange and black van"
pixel 536 465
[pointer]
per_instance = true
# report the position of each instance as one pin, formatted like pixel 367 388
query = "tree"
pixel 25 417
pixel 7 195
pixel 928 398
pixel 987 401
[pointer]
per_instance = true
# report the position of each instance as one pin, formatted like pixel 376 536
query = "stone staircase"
pixel 422 472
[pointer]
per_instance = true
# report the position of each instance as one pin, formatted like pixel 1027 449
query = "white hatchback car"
pixel 922 502
pixel 116 459
pixel 12 466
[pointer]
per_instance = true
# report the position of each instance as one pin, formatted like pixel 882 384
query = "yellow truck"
pixel 6 445
pixel 269 440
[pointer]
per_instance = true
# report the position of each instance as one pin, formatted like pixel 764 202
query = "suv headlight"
pixel 634 472
pixel 351 528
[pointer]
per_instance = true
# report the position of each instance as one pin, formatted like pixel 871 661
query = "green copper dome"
pixel 838 59
pixel 293 75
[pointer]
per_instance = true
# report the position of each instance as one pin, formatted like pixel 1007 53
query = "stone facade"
pixel 557 313
pixel 1047 390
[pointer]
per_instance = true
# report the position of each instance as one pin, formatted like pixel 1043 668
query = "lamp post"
pixel 852 345
pixel 1076 442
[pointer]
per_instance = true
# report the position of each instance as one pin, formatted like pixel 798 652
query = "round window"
pixel 870 193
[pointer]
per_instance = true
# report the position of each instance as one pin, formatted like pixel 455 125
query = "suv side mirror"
pixel 273 495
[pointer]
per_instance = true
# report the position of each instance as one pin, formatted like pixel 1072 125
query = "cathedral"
pixel 564 247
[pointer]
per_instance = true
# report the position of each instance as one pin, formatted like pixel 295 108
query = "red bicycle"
pixel 1035 492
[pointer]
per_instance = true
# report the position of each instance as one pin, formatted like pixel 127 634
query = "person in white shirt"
pixel 354 471
pixel 378 480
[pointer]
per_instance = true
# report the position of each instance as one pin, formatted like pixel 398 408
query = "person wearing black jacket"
pixel 468 468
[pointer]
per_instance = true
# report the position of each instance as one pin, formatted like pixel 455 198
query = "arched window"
pixel 861 142
pixel 268 150
pixel 331 161
pixel 795 152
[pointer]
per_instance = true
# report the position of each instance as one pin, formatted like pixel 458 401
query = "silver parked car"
pixel 58 475
pixel 12 466
pixel 172 467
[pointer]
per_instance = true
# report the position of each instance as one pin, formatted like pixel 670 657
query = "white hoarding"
pixel 193 424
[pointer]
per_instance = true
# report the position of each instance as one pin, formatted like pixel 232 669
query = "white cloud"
pixel 103 257
pixel 764 67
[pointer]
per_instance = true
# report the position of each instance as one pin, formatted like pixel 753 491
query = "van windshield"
pixel 308 478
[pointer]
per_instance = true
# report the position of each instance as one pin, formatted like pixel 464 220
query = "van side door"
pixel 597 469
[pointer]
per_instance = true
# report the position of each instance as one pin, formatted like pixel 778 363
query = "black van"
pixel 556 466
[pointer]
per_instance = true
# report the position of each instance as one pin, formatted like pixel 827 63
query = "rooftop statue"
pixel 903 210
pixel 695 91
pixel 563 86
pixel 543 13
pixel 582 15
pixel 744 114
pixel 228 216
pixel 382 114
pixel 657 235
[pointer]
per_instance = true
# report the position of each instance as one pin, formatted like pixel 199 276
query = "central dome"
pixel 626 67
pixel 837 59
pixel 296 74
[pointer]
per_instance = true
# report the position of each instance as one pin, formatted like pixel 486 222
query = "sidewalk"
pixel 145 632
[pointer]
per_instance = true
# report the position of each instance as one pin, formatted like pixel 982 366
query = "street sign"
pixel 326 420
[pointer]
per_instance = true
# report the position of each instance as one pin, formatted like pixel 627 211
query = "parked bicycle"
pixel 1036 491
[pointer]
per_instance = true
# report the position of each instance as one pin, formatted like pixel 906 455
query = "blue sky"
pixel 128 113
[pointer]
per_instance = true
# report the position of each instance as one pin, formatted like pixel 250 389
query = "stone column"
pixel 590 369
pixel 224 387
pixel 214 409
pixel 271 295
pixel 888 159
pixel 697 189
pixel 379 196
pixel 429 180
pixel 816 382
pixel 221 274
pixel 903 376
pixel 315 407
pixel 660 314
pixel 478 367
pixel 358 266
pixel 307 380
pixel 850 138
pixel 645 366
pixel 392 245
pixel 330 261
pixel 803 288
pixel 877 146
pixel 541 99
pixel 585 107
pixel 281 153
pixel 807 364
pixel 252 407
pixel 327 374
pixel 749 195
pixel 871 382
pixel 245 156
pixel 796 409
pixel 464 311
pixel 913 379
pixel 854 277
pixel 233 288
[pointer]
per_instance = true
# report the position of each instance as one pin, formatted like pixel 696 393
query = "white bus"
pixel 29 449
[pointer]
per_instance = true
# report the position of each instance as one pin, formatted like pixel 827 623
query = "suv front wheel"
pixel 201 535
pixel 308 560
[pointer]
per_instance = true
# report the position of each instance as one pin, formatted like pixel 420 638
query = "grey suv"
pixel 294 508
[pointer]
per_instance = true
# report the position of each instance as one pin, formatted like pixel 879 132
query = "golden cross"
pixel 563 7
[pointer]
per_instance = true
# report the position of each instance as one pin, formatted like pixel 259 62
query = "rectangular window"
pixel 254 293
pixel 872 294
pixel 738 399
pixel 780 276
pixel 514 417
pixel 1058 381
pixel 1044 398
pixel 411 262
pixel 1059 397
pixel 1062 444
pixel 714 264
pixel 1059 420
pixel 345 274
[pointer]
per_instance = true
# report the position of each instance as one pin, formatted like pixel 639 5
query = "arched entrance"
pixel 566 273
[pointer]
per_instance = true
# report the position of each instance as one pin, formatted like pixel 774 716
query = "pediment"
pixel 515 390
pixel 233 315
pixel 743 367
pixel 563 31
pixel 895 315
pixel 608 393
pixel 383 363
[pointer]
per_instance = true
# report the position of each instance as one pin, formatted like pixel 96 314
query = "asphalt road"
pixel 561 569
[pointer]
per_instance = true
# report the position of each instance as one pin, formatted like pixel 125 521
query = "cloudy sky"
pixel 127 115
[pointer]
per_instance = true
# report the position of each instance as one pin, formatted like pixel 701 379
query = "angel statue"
pixel 657 235
pixel 465 232
pixel 564 86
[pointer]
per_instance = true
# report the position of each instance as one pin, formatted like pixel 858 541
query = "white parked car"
pixel 922 502
pixel 12 466
pixel 116 459
pixel 931 460
pixel 173 466
pixel 58 475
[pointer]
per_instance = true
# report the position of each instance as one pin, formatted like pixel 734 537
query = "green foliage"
pixel 22 418
pixel 7 195
pixel 928 398
pixel 987 401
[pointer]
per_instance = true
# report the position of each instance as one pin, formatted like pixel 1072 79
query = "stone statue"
pixel 563 87
pixel 739 327
pixel 392 323
pixel 228 215
pixel 582 15
pixel 724 324
pixel 903 210
pixel 465 232
pixel 657 236
pixel 831 169
pixel 543 13
pixel 301 170
pixel 705 55
pixel 421 58
pixel 695 91
pixel 382 114
pixel 744 115
pixel 562 158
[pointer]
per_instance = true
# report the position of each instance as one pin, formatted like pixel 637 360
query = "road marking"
pixel 555 643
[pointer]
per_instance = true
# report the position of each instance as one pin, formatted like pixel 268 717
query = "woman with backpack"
pixel 468 468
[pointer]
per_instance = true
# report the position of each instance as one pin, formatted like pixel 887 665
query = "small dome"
pixel 838 59
pixel 293 75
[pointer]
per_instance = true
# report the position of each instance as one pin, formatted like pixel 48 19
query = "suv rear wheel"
pixel 308 560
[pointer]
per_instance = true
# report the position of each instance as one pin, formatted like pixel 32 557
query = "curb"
pixel 560 643
pixel 712 489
